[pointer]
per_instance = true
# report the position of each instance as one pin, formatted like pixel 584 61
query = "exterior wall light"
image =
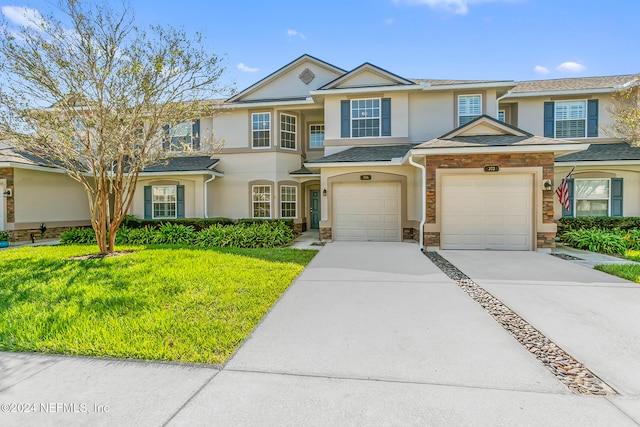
pixel 547 184
pixel 324 192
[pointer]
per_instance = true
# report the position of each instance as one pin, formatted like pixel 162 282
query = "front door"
pixel 315 209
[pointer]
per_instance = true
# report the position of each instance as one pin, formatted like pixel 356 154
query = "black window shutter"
pixel 549 120
pixel 180 201
pixel 569 212
pixel 386 116
pixel 195 135
pixel 166 138
pixel 148 204
pixel 592 118
pixel 616 196
pixel 345 119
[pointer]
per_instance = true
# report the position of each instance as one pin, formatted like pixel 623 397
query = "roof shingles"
pixel 603 152
pixel 378 153
pixel 578 83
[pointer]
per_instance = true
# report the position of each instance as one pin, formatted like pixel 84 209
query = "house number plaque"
pixel 491 168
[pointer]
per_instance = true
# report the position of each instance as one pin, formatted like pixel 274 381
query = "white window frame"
pixel 311 147
pixel 182 146
pixel 288 132
pixel 378 117
pixel 294 202
pixel 576 181
pixel 504 115
pixel 267 202
pixel 254 131
pixel 153 201
pixel 468 95
pixel 555 118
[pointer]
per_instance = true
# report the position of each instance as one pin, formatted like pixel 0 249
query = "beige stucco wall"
pixel 232 126
pixel 631 184
pixel 193 193
pixel 289 84
pixel 229 195
pixel 430 115
pixel 413 211
pixel 46 197
pixel 365 78
pixel 531 113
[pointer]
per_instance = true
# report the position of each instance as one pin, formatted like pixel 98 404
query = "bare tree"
pixel 625 111
pixel 85 89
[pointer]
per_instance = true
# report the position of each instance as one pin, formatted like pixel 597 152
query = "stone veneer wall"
pixel 544 160
pixel 7 173
pixel 25 235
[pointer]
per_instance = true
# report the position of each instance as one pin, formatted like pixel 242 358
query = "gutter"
pixel 423 195
pixel 206 198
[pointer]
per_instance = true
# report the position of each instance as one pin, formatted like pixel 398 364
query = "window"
pixel 181 137
pixel 261 130
pixel 365 118
pixel 287 131
pixel 261 201
pixel 571 119
pixel 501 115
pixel 164 201
pixel 288 201
pixel 469 107
pixel 316 136
pixel 592 197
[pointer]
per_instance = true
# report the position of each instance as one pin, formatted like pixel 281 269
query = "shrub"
pixel 78 236
pixel 4 236
pixel 258 221
pixel 174 234
pixel 596 240
pixel 599 222
pixel 197 223
pixel 141 236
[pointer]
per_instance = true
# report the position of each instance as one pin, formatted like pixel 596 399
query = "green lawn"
pixel 164 303
pixel 626 271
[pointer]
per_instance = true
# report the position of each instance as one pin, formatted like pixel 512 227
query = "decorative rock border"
pixel 562 365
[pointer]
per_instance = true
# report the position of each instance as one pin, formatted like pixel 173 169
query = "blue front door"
pixel 315 209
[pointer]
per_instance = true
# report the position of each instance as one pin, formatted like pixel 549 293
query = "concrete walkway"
pixel 369 334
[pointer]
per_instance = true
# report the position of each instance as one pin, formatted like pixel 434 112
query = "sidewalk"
pixel 43 242
pixel 586 258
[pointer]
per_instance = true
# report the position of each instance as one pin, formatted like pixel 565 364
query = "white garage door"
pixel 367 211
pixel 487 212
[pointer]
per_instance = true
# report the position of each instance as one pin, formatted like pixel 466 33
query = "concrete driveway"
pixel 371 334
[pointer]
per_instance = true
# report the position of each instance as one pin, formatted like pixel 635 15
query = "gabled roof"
pixel 11 155
pixel 184 164
pixel 378 153
pixel 485 131
pixel 265 81
pixel 603 152
pixel 367 67
pixel 573 84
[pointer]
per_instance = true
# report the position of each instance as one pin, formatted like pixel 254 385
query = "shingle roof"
pixel 378 153
pixel 183 164
pixel 603 152
pixel 579 83
pixel 302 171
pixel 15 156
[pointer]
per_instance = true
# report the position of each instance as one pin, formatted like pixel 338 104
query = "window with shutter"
pixel 571 119
pixel 469 107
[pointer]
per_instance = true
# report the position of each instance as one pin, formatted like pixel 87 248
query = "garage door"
pixel 487 212
pixel 368 211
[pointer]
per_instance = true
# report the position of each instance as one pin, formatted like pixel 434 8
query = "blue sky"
pixel 457 39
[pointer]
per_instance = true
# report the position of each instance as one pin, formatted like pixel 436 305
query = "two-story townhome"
pixel 366 154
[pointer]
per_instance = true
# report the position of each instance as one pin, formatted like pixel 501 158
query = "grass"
pixel 626 271
pixel 157 303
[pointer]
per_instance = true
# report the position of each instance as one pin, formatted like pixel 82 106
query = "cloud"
pixel 458 7
pixel 539 69
pixel 389 21
pixel 571 67
pixel 294 33
pixel 245 69
pixel 24 16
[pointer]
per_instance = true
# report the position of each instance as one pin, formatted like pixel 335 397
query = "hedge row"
pixel 615 241
pixel 599 222
pixel 245 235
pixel 198 223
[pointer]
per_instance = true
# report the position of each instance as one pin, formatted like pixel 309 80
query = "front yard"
pixel 626 271
pixel 161 303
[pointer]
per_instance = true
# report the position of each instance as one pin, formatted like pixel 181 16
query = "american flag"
pixel 563 194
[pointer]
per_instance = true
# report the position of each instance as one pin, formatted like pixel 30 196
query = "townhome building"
pixel 370 155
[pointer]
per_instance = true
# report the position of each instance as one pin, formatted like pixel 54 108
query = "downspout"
pixel 423 195
pixel 206 198
pixel 498 103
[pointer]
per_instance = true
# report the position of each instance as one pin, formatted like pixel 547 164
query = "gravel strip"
pixel 563 366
